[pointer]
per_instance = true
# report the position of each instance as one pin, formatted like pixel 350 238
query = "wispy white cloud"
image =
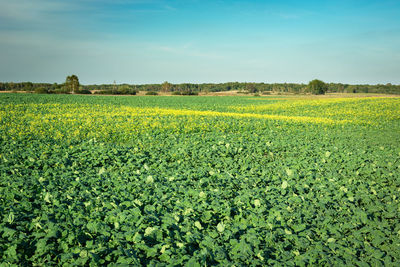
pixel 25 21
pixel 55 11
pixel 27 10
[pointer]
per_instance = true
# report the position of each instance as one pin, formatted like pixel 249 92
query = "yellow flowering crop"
pixel 111 122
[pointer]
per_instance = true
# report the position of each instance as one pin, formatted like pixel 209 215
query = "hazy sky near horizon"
pixel 151 41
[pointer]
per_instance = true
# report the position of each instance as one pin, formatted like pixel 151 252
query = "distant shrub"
pixel 256 95
pixel 130 92
pixel 176 93
pixel 189 93
pixel 60 91
pixel 117 92
pixel 151 93
pixel 41 90
pixel 84 92
pixel 124 91
pixel 266 92
pixel 104 92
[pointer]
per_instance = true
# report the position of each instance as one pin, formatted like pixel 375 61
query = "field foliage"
pixel 199 181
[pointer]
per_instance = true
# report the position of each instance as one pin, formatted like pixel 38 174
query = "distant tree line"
pixel 73 86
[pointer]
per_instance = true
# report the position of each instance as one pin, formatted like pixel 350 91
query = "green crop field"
pixel 199 181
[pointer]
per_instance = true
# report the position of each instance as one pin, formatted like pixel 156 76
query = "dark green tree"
pixel 251 88
pixel 317 87
pixel 72 84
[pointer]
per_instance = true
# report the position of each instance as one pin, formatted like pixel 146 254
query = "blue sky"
pixel 139 41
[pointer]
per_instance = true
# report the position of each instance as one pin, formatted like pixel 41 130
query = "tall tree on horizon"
pixel 317 87
pixel 72 83
pixel 166 86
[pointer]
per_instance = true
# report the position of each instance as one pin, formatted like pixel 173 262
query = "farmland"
pixel 234 180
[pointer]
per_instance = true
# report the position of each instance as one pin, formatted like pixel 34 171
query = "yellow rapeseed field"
pixel 105 121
